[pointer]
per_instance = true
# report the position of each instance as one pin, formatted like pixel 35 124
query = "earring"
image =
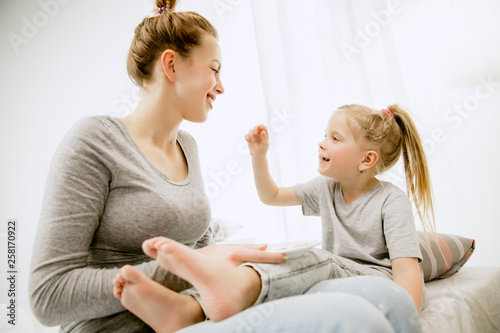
pixel 360 171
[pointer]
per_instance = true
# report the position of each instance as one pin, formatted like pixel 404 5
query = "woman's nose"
pixel 219 87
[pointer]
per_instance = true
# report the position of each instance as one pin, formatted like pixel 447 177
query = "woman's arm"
pixel 236 254
pixel 269 193
pixel 406 273
pixel 62 287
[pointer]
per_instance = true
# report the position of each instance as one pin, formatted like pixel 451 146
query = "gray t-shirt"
pixel 102 199
pixel 372 230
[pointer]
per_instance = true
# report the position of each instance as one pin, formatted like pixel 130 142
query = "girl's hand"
pixel 258 140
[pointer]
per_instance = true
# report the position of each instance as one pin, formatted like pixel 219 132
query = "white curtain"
pixel 438 59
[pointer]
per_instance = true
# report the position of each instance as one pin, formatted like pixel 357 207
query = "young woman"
pixel 114 183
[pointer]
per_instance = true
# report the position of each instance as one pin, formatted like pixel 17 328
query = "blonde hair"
pixel 178 31
pixel 392 134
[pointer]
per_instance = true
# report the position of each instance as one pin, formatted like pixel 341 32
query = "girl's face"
pixel 339 155
pixel 198 79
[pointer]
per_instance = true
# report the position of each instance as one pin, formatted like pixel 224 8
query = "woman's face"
pixel 198 80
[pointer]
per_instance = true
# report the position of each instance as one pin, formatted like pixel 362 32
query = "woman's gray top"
pixel 102 199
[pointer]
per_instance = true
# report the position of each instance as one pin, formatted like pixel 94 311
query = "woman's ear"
pixel 168 60
pixel 370 159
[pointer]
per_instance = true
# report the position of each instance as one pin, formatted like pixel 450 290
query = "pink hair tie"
pixel 162 10
pixel 387 112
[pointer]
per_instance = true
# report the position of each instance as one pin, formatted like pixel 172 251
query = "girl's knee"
pixel 353 313
pixel 384 294
pixel 323 312
pixel 351 284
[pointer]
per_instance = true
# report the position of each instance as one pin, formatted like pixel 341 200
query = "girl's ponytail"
pixel 418 182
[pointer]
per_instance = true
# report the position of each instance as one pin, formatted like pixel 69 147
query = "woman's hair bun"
pixel 178 31
pixel 167 5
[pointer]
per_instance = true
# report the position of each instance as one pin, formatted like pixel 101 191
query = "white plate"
pixel 293 249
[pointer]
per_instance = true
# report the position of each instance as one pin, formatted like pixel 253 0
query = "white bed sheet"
pixel 467 302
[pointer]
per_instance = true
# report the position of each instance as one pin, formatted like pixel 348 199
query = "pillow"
pixel 456 250
pixel 223 229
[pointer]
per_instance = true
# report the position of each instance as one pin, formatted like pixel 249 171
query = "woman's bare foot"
pixel 224 290
pixel 159 307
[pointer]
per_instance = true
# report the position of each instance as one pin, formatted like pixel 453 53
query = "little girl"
pixel 368 226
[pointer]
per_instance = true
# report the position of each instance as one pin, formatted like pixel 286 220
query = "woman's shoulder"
pixel 94 124
pixel 97 128
pixel 92 133
pixel 187 140
pixel 88 139
pixel 185 135
pixel 85 127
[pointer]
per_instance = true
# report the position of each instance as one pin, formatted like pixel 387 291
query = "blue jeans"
pixel 356 304
pixel 296 276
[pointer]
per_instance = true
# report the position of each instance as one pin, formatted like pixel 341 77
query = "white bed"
pixel 467 302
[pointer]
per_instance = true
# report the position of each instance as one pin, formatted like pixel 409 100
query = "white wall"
pixel 73 65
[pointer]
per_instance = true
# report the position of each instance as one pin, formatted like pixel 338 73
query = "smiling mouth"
pixel 322 158
pixel 211 98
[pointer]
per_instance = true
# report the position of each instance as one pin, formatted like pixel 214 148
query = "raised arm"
pixel 269 192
